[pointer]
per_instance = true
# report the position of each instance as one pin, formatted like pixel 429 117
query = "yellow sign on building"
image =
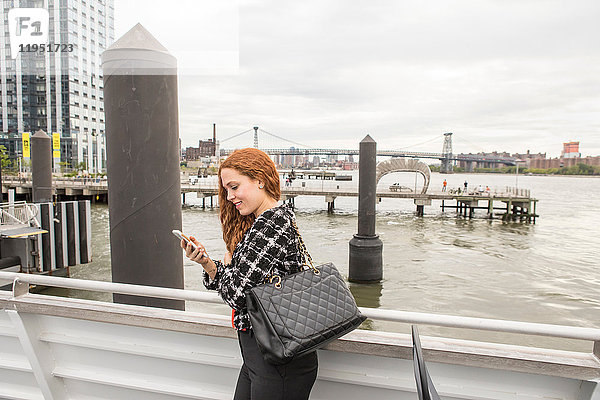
pixel 26 148
pixel 56 145
pixel 56 141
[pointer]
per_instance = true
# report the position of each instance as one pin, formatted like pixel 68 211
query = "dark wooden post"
pixel 140 100
pixel 366 249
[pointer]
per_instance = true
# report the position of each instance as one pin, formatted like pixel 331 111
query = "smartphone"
pixel 181 236
pixel 186 239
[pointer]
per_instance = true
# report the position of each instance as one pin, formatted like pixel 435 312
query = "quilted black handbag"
pixel 298 313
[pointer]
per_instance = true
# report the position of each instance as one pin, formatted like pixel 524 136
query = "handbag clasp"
pixel 278 283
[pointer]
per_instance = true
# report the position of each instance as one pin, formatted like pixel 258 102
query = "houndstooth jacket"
pixel 270 243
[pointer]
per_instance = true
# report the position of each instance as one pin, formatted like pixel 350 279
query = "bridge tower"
pixel 447 153
pixel 256 137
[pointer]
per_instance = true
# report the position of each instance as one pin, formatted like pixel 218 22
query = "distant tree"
pixel 6 163
pixel 81 166
pixel 64 166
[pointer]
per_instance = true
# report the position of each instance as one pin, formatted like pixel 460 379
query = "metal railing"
pixel 18 213
pixel 22 282
pixel 84 181
pixel 518 192
pixel 485 192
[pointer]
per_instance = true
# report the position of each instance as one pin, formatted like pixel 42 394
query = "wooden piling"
pixel 420 211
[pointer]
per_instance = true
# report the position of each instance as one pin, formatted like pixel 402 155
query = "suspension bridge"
pixel 447 156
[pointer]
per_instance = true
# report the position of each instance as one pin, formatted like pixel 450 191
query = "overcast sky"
pixel 510 75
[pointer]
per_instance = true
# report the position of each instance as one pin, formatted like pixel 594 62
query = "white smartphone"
pixel 181 236
pixel 186 239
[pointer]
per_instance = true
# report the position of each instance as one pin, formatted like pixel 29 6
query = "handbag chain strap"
pixel 305 256
pixel 304 250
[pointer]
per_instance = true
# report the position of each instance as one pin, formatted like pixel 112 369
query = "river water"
pixel 440 263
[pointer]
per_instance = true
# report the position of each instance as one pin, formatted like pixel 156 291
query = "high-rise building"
pixel 56 85
pixel 571 150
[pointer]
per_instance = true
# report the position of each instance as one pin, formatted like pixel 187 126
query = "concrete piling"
pixel 366 249
pixel 141 106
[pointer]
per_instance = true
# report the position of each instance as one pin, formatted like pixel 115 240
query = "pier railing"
pixel 331 187
pixel 518 191
pixel 21 284
pixel 66 348
pixel 18 213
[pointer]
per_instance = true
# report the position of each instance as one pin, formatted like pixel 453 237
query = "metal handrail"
pixel 527 328
pixel 20 212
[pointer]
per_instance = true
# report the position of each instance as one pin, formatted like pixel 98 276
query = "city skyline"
pixel 505 76
pixel 432 144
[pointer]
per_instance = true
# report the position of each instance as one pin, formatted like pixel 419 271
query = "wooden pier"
pixel 509 204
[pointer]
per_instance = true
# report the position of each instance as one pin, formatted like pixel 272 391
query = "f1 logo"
pixel 27 26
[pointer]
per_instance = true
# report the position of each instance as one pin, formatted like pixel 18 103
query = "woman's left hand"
pixel 198 254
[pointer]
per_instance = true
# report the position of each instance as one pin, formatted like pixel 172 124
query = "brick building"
pixel 563 162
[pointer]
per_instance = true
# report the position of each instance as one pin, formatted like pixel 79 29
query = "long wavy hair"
pixel 255 164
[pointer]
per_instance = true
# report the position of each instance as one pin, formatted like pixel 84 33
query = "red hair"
pixel 255 164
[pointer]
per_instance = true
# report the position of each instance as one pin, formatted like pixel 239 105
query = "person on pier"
pixel 260 236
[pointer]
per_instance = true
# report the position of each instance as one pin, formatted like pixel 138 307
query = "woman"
pixel 261 241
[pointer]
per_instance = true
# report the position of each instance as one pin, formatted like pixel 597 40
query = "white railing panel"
pixel 570 332
pixel 141 362
pixel 90 390
pixel 129 360
pixel 16 377
pixel 19 386
pixel 143 342
pixel 93 370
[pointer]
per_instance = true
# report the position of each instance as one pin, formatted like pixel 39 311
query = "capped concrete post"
pixel 144 193
pixel 41 167
pixel 366 249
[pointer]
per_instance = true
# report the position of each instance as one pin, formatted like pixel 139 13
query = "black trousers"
pixel 260 380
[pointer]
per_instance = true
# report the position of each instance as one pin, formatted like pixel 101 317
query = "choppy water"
pixel 544 272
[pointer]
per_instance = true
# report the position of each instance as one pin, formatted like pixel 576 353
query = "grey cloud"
pixel 501 73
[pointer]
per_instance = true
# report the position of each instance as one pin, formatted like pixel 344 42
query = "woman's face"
pixel 244 192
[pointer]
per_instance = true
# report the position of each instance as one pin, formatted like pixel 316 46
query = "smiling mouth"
pixel 239 203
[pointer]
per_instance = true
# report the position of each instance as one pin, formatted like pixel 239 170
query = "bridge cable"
pixel 285 140
pixel 463 140
pixel 437 137
pixel 236 135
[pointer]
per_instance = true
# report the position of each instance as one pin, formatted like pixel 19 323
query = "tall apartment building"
pixel 570 150
pixel 60 89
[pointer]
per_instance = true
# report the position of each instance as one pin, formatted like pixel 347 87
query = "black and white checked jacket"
pixel 271 242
